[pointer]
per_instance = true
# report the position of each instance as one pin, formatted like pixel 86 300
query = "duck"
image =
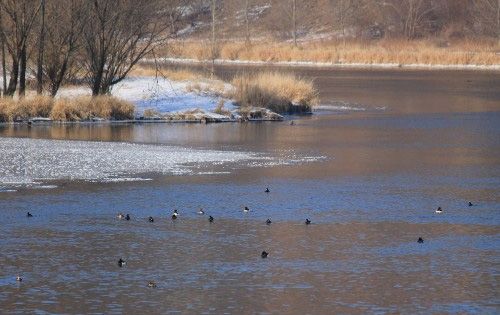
pixel 121 262
pixel 420 240
pixel 151 284
pixel 175 214
pixel 127 217
pixel 268 222
pixel 292 123
pixel 201 212
pixel 308 221
pixel 470 204
pixel 439 210
pixel 150 219
pixel 19 279
pixel 210 219
pixel 267 190
pixel 120 216
pixel 264 254
pixel 246 209
pixel 29 215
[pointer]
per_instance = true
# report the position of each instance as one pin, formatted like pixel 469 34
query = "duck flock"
pixel 246 209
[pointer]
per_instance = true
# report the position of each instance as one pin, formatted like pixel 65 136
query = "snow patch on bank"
pixel 160 94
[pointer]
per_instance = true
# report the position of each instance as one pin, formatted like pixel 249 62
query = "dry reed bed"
pixel 65 109
pixel 281 93
pixel 428 52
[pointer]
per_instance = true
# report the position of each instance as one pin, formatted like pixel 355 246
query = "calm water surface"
pixel 369 169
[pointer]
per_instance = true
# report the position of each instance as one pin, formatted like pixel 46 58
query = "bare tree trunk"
pixel 294 22
pixel 96 87
pixel 22 72
pixel 4 71
pixel 11 89
pixel 498 20
pixel 247 24
pixel 212 71
pixel 39 73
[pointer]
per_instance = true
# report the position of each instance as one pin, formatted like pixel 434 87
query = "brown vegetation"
pixel 63 109
pixel 281 93
pixel 429 52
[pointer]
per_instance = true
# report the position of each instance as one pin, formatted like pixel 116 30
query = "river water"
pixel 369 168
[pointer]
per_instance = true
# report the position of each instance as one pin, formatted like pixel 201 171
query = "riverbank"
pixel 169 95
pixel 430 54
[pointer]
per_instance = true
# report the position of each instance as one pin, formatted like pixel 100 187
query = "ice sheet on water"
pixel 28 162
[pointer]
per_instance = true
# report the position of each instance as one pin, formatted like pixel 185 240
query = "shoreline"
pixel 134 121
pixel 327 65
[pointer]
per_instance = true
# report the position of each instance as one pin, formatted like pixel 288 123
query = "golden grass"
pixel 65 109
pixel 429 52
pixel 24 108
pixel 84 108
pixel 281 93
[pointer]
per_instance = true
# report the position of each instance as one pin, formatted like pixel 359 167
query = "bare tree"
pixel 487 16
pixel 344 12
pixel 176 11
pixel 411 17
pixel 117 35
pixel 4 71
pixel 213 9
pixel 41 41
pixel 63 26
pixel 294 21
pixel 17 23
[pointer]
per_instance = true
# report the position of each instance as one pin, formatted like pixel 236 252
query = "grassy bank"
pixel 281 93
pixel 65 109
pixel 278 92
pixel 403 52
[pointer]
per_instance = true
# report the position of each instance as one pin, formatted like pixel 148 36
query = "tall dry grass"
pixel 84 108
pixel 281 93
pixel 65 109
pixel 403 52
pixel 24 108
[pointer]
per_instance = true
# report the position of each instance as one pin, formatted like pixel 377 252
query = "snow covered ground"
pixel 160 94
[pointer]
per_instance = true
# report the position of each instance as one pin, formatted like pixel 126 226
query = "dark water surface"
pixel 369 169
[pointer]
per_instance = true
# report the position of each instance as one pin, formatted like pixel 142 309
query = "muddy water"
pixel 368 169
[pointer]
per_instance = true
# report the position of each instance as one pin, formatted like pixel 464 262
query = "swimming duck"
pixel 246 209
pixel 151 219
pixel 151 284
pixel 121 262
pixel 127 217
pixel 264 254
pixel 19 279
pixel 267 190
pixel 120 216
pixel 268 222
pixel 439 210
pixel 420 240
pixel 201 211
pixel 470 204
pixel 308 221
pixel 29 215
pixel 210 219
